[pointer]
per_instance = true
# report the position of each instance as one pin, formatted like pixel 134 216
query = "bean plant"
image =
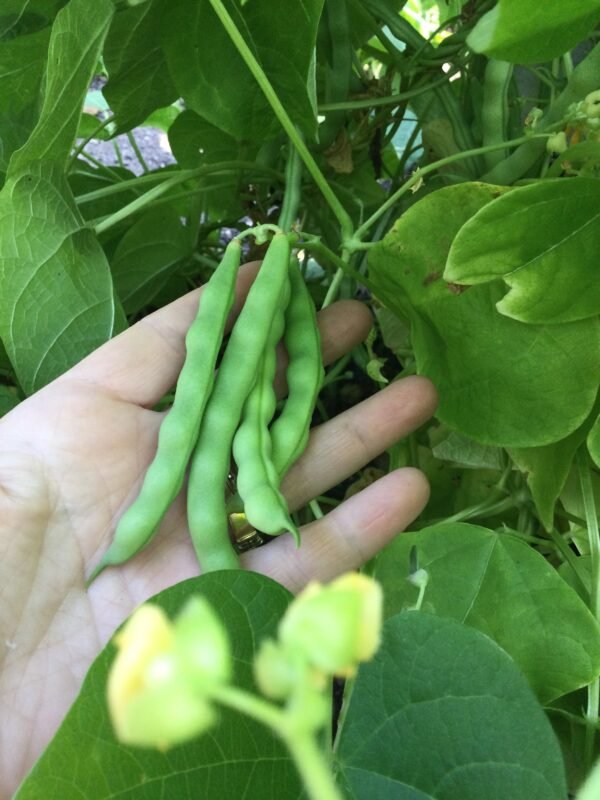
pixel 439 160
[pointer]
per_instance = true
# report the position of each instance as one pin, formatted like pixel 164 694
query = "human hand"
pixel 71 460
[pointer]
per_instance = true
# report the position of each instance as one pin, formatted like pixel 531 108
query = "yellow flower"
pixel 557 143
pixel 336 626
pixel 591 104
pixel 146 635
pixel 161 677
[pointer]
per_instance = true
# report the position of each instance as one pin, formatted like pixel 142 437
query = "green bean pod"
pixel 236 376
pixel 179 430
pixel 289 432
pixel 257 479
pixel 494 111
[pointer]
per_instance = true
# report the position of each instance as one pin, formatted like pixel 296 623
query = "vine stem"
pixel 591 516
pixel 258 73
pixel 388 100
pixel 312 766
pixel 419 174
pixel 293 190
pixel 81 147
pixel 137 151
pixel 159 177
pixel 568 555
pixel 314 244
pixel 156 192
pixel 335 284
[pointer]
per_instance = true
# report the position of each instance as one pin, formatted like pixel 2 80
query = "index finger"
pixel 141 364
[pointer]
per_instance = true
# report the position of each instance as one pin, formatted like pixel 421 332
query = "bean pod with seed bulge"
pixel 236 376
pixel 289 432
pixel 179 429
pixel 257 478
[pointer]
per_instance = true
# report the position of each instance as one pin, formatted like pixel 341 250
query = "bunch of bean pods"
pixel 217 412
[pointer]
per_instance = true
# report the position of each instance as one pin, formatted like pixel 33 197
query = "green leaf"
pixel 57 303
pixel 4 359
pixel 583 156
pixel 85 179
pixel 139 80
pixel 591 788
pixel 454 489
pixel 580 580
pixel 505 589
pixel 500 381
pixel 542 241
pixel 75 44
pixel 465 452
pixel 22 64
pixel 88 128
pixel 526 31
pixel 593 442
pixel 215 82
pixel 18 17
pixel 8 400
pixel 163 118
pixel 571 499
pixel 238 758
pixel 442 713
pixel 548 467
pixel 196 142
pixel 147 255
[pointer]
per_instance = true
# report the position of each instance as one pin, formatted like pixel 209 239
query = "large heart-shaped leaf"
pixel 237 758
pixel 542 240
pixel 500 381
pixel 22 63
pixel 525 31
pixel 24 36
pixel 139 79
pixel 214 80
pixel 76 42
pixel 442 713
pixel 57 303
pixel 505 589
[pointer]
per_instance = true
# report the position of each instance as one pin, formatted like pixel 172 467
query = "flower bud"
pixel 335 627
pixel 591 104
pixel 275 672
pixel 557 143
pixel 202 645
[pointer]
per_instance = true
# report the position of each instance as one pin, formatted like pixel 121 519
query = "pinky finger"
pixel 348 536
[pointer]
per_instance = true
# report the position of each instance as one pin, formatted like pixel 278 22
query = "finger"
pixel 340 447
pixel 348 536
pixel 141 364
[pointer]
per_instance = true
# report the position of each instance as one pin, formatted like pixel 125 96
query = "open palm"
pixel 71 460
